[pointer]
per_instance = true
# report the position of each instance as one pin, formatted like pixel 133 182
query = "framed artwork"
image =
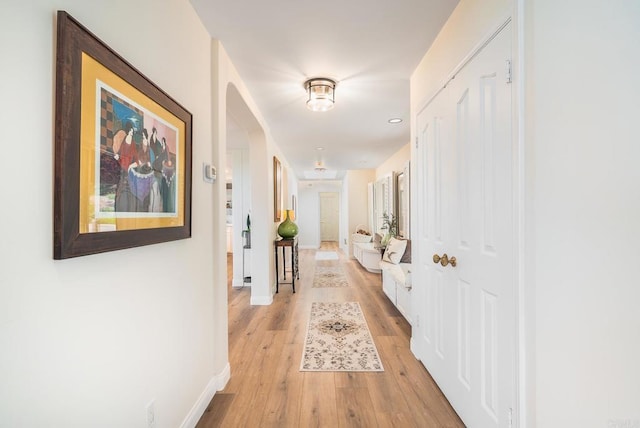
pixel 122 152
pixel 277 190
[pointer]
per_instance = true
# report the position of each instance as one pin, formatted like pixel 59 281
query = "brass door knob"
pixel 444 260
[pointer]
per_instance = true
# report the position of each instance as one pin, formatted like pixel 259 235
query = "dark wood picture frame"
pixel 401 204
pixel 277 190
pixel 74 199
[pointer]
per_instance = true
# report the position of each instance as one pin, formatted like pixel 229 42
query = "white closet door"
pixel 466 314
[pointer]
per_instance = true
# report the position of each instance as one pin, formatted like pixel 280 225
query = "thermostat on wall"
pixel 209 173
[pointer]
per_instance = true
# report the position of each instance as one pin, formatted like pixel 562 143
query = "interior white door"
pixel 434 231
pixel 329 215
pixel 464 332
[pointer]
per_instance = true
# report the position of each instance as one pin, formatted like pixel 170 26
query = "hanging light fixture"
pixel 321 93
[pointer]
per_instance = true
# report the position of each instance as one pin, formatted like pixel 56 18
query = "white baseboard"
pixel 217 383
pixel 223 378
pixel 238 283
pixel 262 301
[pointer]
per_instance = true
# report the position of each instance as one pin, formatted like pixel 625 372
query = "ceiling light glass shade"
pixel 321 94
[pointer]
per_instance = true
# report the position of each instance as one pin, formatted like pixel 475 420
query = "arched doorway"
pixel 254 198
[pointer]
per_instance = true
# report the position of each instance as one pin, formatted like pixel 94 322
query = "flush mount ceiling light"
pixel 321 93
pixel 395 120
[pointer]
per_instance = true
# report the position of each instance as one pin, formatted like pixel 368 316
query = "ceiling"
pixel 369 48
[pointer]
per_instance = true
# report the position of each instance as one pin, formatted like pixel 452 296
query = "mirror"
pixel 403 204
pixel 383 200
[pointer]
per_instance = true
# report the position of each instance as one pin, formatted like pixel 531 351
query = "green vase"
pixel 287 228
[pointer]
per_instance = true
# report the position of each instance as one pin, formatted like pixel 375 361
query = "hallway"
pixel 265 348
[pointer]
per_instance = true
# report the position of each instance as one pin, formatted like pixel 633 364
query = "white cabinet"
pixel 368 256
pixel 389 286
pixel 396 284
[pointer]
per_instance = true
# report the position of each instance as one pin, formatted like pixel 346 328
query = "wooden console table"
pixel 293 244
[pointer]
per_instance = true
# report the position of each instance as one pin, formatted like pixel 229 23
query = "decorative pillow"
pixel 406 257
pixel 395 250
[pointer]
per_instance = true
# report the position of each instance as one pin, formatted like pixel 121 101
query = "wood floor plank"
pixel 424 398
pixel 318 407
pixel 350 380
pixel 355 408
pixel 383 391
pixel 283 404
pixel 266 388
pixel 255 383
pixel 216 411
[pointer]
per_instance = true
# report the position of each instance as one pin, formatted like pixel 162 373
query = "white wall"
pixel 395 163
pixel 90 341
pixel 583 201
pixel 470 21
pixel 292 190
pixel 358 200
pixel 308 216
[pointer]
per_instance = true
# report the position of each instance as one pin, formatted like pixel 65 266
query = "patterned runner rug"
pixel 329 274
pixel 326 255
pixel 338 339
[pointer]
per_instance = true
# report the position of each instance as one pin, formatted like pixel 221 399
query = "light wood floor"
pixel 266 388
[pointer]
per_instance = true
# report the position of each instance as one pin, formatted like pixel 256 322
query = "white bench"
pixel 396 284
pixel 368 256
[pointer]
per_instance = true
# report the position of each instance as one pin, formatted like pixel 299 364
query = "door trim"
pixel 525 296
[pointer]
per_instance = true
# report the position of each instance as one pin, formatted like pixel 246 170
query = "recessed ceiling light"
pixel 319 148
pixel 395 120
